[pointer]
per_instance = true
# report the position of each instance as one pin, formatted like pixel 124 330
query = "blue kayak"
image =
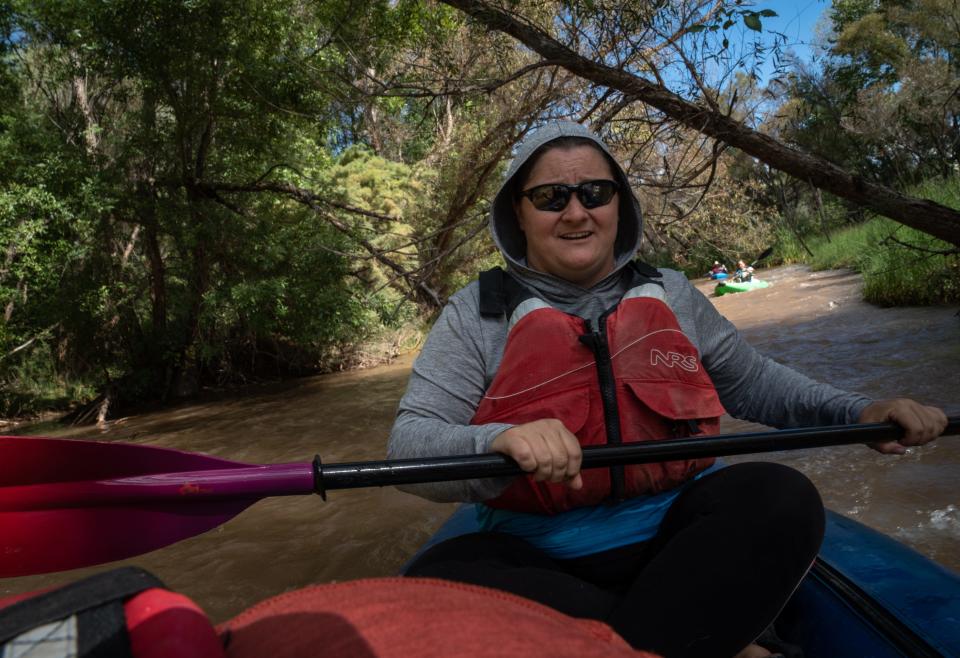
pixel 866 595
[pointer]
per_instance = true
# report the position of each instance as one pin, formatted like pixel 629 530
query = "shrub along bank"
pixel 900 265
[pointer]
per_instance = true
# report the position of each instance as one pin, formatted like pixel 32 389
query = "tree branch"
pixel 925 215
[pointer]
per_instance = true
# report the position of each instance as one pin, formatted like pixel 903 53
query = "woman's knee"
pixel 763 495
pixel 779 488
pixel 784 501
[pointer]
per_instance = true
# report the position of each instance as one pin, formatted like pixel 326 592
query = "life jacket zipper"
pixel 597 342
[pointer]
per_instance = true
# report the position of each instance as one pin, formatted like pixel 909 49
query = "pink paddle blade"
pixel 67 503
pixel 57 540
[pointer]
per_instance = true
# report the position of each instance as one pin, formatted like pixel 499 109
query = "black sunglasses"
pixel 555 196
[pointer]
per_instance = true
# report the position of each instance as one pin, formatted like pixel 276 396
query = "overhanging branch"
pixel 925 215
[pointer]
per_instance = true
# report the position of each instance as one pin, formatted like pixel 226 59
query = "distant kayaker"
pixel 578 344
pixel 718 267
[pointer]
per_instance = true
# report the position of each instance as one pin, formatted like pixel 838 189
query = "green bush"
pixel 907 267
pixel 901 266
pixel 31 384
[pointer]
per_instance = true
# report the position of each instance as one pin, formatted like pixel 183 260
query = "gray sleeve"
pixel 446 385
pixel 756 388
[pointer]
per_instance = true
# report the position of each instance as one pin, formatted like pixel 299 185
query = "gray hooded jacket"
pixel 462 353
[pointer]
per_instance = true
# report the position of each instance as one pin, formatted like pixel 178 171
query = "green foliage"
pixel 116 121
pixel 726 17
pixel 875 50
pixel 900 266
pixel 882 101
pixel 203 192
pixel 787 248
pixel 288 289
pixel 31 383
pixel 373 183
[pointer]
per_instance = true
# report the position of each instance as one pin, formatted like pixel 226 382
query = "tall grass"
pixel 900 265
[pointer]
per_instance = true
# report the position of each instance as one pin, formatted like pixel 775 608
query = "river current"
pixel 814 322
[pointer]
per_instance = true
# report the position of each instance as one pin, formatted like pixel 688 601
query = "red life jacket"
pixel 633 377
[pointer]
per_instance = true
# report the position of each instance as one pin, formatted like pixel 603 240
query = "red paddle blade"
pixel 66 503
pixel 47 541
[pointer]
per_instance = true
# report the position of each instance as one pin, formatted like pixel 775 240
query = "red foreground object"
pixel 370 618
pixel 403 617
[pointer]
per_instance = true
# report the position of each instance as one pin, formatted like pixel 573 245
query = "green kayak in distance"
pixel 730 286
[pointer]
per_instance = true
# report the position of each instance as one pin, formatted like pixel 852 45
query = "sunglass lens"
pixel 549 197
pixel 596 193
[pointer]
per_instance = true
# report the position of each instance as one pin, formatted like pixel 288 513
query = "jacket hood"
pixel 503 220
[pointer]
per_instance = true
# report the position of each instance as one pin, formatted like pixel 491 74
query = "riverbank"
pixel 900 266
pixel 54 402
pixel 386 348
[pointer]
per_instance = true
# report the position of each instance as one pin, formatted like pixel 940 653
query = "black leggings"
pixel 730 551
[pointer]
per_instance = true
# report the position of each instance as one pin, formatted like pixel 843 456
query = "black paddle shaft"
pixel 354 475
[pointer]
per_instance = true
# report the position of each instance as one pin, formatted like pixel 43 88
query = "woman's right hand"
pixel 544 448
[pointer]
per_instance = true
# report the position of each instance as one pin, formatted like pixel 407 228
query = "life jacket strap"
pixel 500 293
pixel 641 273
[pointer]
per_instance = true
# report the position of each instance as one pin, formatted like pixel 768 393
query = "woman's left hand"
pixel 921 423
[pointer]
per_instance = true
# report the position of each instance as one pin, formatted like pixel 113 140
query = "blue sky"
pixel 796 19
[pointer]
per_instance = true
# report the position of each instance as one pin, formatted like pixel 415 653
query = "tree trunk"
pixel 91 135
pixel 147 197
pixel 789 215
pixel 186 380
pixel 937 220
pixel 818 200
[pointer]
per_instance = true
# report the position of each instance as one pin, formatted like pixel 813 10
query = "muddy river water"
pixel 811 321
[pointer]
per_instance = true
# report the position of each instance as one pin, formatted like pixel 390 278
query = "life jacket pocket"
pixel 672 400
pixel 666 409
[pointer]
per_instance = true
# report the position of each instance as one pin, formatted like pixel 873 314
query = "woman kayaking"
pixel 578 344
